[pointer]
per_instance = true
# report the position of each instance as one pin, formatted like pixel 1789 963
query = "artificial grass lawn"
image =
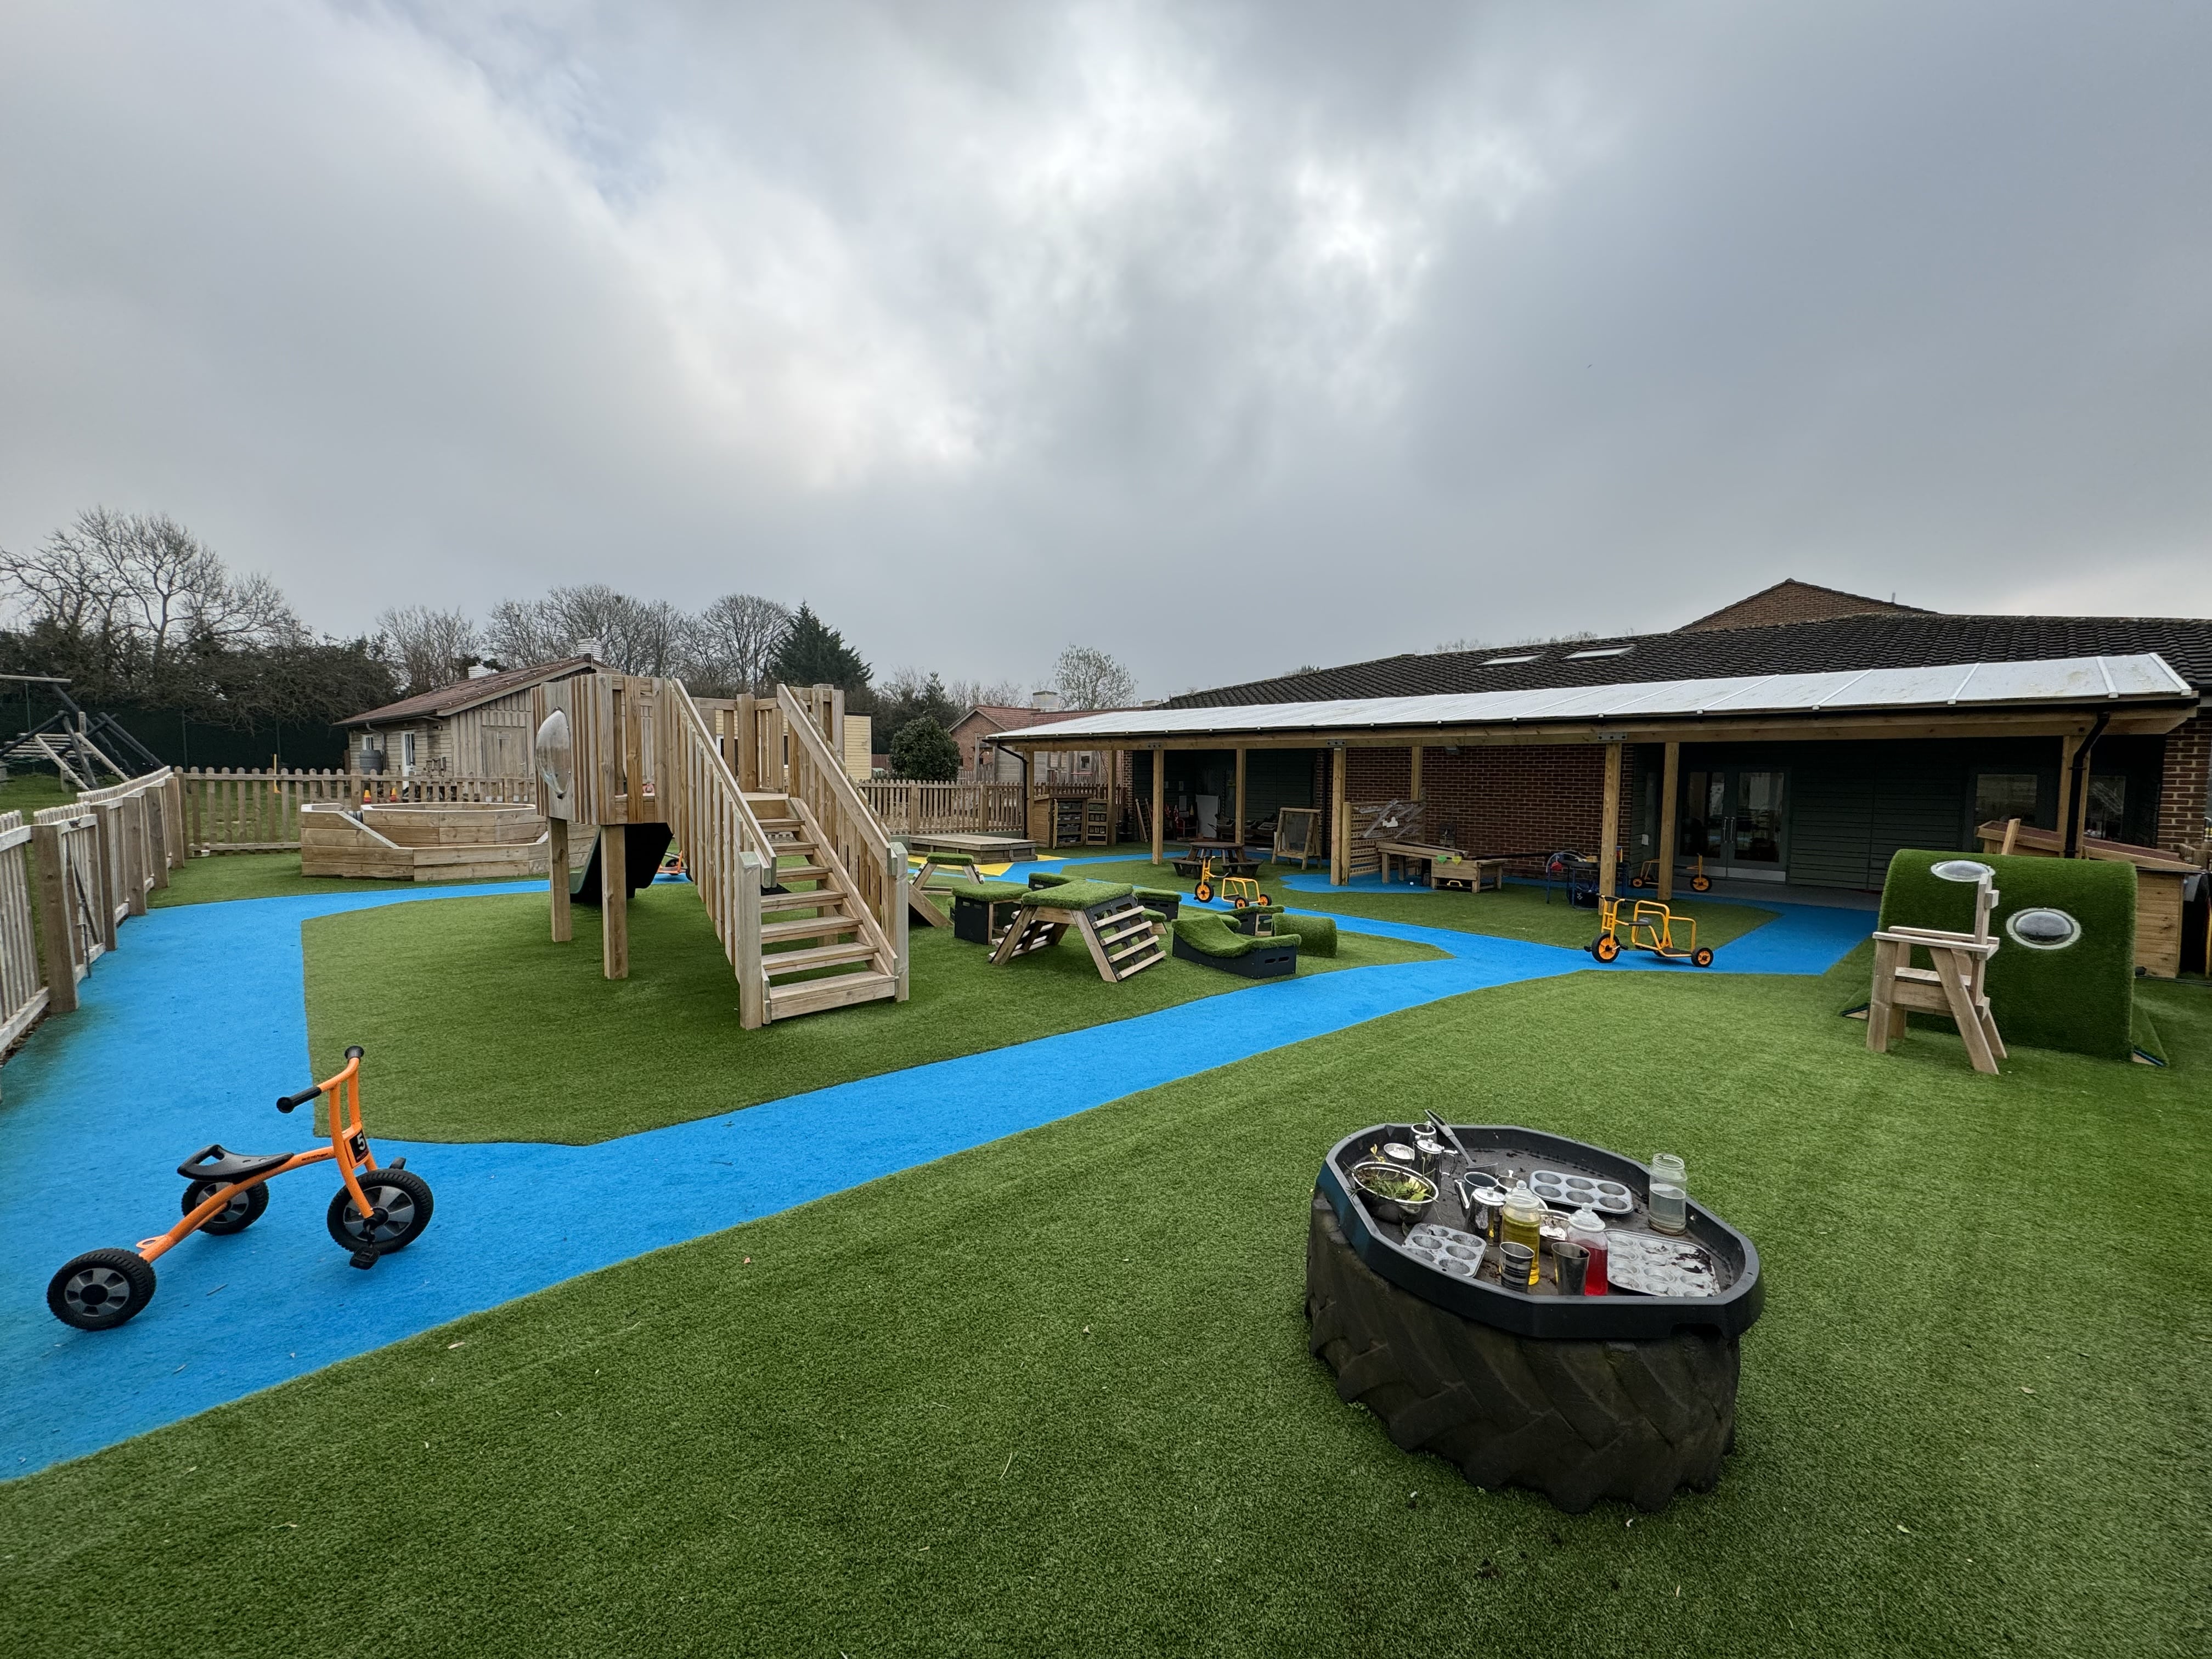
pixel 1516 911
pixel 264 875
pixel 485 1029
pixel 1053 1396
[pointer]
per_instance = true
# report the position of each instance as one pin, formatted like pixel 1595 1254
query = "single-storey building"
pixel 1805 751
pixel 479 728
pixel 977 733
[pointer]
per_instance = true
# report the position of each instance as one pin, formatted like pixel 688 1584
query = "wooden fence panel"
pixel 909 807
pixel 250 811
pixel 22 989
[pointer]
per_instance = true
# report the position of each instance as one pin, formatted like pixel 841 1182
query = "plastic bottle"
pixel 1586 1230
pixel 1671 1193
pixel 1521 1224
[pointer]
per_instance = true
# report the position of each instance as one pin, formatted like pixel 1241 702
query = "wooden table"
pixel 1447 866
pixel 988 849
pixel 1230 853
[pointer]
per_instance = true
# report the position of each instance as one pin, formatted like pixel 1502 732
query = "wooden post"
pixel 2067 745
pixel 1413 775
pixel 2081 807
pixel 1159 798
pixel 614 900
pixel 157 834
pixel 752 977
pixel 557 877
pixel 1236 817
pixel 134 858
pixel 54 929
pixel 1113 768
pixel 1609 824
pixel 107 853
pixel 895 879
pixel 1670 778
pixel 1339 821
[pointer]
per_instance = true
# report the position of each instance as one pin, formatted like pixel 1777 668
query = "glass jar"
pixel 1521 1222
pixel 1584 1227
pixel 1671 1193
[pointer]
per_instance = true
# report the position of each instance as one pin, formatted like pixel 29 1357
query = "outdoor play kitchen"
pixel 1540 1312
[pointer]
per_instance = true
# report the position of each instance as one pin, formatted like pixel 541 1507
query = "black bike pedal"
pixel 363 1259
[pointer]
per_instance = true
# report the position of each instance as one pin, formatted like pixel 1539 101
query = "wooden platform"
pixel 425 843
pixel 2160 879
pixel 987 849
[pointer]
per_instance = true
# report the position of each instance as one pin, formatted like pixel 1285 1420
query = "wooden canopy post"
pixel 1339 821
pixel 557 877
pixel 614 900
pixel 1113 768
pixel 1670 778
pixel 1413 772
pixel 1159 798
pixel 1609 824
pixel 2067 744
pixel 1236 817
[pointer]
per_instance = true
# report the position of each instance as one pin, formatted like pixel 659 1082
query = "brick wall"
pixel 1531 798
pixel 2186 786
pixel 1795 602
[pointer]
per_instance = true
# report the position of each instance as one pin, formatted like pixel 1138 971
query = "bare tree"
pixel 428 648
pixel 731 643
pixel 639 636
pixel 986 693
pixel 143 586
pixel 1090 678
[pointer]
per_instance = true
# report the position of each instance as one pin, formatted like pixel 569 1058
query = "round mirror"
pixel 1969 870
pixel 2043 929
pixel 555 757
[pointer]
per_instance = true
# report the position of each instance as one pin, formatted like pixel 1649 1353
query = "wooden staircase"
pixel 815 926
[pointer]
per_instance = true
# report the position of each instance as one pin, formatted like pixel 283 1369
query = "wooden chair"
pixel 1954 986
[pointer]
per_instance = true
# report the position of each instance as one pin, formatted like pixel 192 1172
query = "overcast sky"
pixel 1225 337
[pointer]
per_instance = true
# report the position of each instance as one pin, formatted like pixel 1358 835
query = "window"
pixel 407 754
pixel 1500 662
pixel 2002 795
pixel 1602 651
pixel 2108 808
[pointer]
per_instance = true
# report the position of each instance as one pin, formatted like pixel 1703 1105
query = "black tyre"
pixel 1702 956
pixel 242 1212
pixel 1635 881
pixel 1263 901
pixel 1202 892
pixel 1605 947
pixel 403 1200
pixel 100 1289
pixel 1701 884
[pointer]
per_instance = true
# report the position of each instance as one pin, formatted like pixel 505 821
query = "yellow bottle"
pixel 1520 1222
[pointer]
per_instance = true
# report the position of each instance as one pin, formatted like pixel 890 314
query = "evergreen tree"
pixel 924 750
pixel 811 652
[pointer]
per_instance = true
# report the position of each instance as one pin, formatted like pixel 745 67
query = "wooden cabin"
pixel 479 728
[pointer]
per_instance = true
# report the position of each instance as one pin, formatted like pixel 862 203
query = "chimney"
pixel 590 647
pixel 1048 701
pixel 478 671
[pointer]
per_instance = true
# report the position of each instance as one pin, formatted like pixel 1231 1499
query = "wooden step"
pixel 825 955
pixel 800 872
pixel 825 899
pixel 816 995
pixel 777 932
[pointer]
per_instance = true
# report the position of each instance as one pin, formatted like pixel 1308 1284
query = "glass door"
pixel 1734 817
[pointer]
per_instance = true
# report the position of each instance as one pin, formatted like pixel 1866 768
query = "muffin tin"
pixel 1652 1266
pixel 1572 1192
pixel 1445 1249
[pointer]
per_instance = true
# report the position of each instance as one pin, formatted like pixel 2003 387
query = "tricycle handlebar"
pixel 289 1102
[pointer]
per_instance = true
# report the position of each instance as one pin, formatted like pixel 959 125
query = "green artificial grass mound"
pixel 2080 998
pixel 1316 935
pixel 1053 1396
pixel 992 892
pixel 1079 895
pixel 1210 934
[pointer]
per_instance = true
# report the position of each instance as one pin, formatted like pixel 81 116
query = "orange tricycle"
pixel 378 1209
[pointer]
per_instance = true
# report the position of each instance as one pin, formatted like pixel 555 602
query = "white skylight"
pixel 1602 651
pixel 1499 662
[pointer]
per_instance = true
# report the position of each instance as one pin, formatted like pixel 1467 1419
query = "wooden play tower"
pixel 807 892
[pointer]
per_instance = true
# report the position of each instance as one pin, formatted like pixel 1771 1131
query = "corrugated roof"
pixel 2086 681
pixel 1841 643
pixel 467 693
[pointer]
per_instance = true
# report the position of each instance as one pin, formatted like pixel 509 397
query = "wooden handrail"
pixel 875 863
pixel 726 851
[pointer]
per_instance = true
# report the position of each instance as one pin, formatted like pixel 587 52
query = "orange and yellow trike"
pixel 375 1212
pixel 1242 891
pixel 1649 926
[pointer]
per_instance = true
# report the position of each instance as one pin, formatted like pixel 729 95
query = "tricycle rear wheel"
pixel 242 1212
pixel 405 1198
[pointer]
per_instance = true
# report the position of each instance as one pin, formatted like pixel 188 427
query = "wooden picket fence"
pixel 907 806
pixel 244 811
pixel 69 879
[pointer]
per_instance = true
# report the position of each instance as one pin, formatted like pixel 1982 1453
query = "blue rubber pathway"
pixel 189 1032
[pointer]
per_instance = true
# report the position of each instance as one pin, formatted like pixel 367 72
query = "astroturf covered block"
pixel 1316 935
pixel 1076 894
pixel 2050 986
pixel 1208 932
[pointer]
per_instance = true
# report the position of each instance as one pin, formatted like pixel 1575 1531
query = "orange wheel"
pixel 1263 901
pixel 1702 956
pixel 1635 881
pixel 1202 892
pixel 1701 884
pixel 1606 948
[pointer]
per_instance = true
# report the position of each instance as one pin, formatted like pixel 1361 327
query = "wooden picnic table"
pixel 1447 865
pixel 987 849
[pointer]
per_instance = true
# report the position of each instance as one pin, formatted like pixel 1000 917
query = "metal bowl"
pixel 1407 1211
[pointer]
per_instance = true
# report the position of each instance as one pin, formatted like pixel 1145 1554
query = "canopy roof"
pixel 2091 684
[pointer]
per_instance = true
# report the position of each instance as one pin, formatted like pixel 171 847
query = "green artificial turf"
pixel 482 1029
pixel 264 875
pixel 1053 1396
pixel 34 792
pixel 1516 911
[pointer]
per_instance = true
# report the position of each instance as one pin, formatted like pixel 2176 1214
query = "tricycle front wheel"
pixel 402 1199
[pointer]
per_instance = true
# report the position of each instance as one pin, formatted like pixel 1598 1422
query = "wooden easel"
pixel 1953 987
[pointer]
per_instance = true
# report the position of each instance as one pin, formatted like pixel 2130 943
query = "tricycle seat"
pixel 213 1163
